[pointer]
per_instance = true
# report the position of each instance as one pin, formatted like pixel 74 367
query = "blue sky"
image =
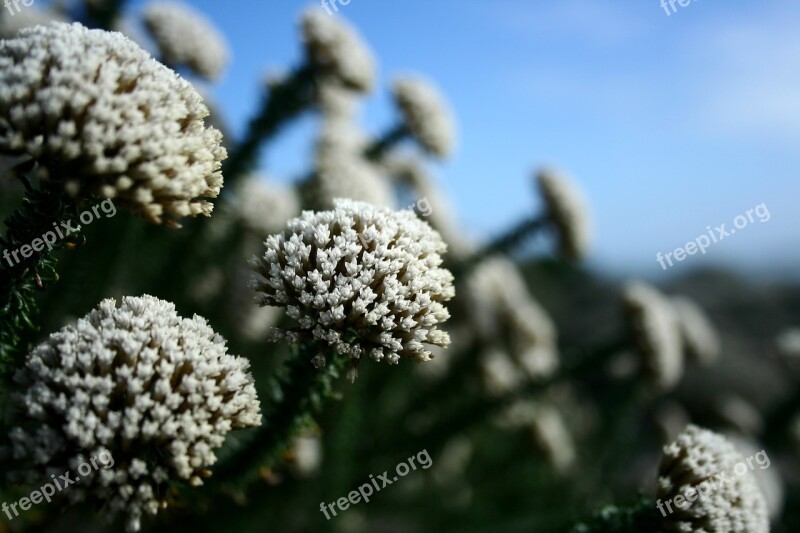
pixel 670 123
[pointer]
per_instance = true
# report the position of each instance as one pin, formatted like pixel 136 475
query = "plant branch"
pixel 379 147
pixel 300 391
pixel 280 103
pixel 41 211
pixel 504 243
pixel 642 517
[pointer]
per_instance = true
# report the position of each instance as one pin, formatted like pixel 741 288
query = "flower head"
pixel 93 108
pixel 566 208
pixel 769 479
pixel 700 338
pixel 706 469
pixel 360 280
pixel 656 333
pixel 336 49
pixel 187 37
pixel 504 313
pixel 155 391
pixel 425 114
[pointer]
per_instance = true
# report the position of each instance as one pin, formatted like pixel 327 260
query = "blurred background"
pixel 671 124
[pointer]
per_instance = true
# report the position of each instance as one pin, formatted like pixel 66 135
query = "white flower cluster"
pixel 186 37
pixel 425 114
pixel 507 316
pixel 656 333
pixel 700 338
pixel 335 48
pixel 362 280
pixel 736 506
pixel 566 208
pixel 92 107
pixel 768 479
pixel 156 391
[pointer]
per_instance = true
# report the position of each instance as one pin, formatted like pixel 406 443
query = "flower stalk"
pixel 41 209
pixel 299 392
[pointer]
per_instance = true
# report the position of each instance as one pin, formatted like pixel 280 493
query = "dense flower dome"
pixel 94 109
pixel 156 392
pixel 698 457
pixel 360 280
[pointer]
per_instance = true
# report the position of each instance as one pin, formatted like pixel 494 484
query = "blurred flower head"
pixel 700 338
pixel 504 313
pixel 335 48
pixel 425 114
pixel 187 37
pixel 656 333
pixel 566 208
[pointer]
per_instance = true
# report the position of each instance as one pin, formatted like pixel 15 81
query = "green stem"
pixel 778 419
pixel 454 381
pixel 103 14
pixel 41 211
pixel 642 517
pixel 505 243
pixel 300 392
pixel 467 416
pixel 281 103
pixel 382 145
